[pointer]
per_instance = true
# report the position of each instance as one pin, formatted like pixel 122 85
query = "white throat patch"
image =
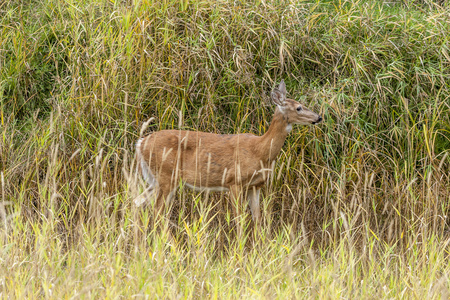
pixel 289 128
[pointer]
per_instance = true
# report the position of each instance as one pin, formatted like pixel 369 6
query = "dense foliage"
pixel 358 206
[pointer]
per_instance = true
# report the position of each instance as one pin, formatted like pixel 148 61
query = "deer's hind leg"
pixel 166 194
pixel 236 204
pixel 253 199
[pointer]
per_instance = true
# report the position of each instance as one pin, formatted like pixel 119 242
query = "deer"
pixel 202 161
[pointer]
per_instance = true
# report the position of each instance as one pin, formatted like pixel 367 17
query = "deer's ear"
pixel 282 87
pixel 279 94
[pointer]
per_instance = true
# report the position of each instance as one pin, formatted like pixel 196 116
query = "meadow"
pixel 357 207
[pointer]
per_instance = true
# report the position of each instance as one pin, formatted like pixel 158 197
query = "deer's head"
pixel 293 112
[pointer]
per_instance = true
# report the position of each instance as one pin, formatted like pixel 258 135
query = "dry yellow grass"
pixel 358 207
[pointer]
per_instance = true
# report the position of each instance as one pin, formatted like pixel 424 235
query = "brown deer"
pixel 218 162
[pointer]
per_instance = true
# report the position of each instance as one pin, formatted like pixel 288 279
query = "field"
pixel 358 206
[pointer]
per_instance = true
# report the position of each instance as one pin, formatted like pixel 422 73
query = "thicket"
pixel 79 78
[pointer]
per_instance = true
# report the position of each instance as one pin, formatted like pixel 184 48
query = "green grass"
pixel 357 208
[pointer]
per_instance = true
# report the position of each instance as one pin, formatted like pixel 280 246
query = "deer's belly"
pixel 209 188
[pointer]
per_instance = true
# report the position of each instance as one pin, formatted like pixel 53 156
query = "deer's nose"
pixel 318 120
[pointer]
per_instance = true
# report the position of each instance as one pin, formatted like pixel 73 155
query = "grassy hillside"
pixel 357 208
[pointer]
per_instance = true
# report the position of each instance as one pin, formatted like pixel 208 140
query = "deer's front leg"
pixel 253 199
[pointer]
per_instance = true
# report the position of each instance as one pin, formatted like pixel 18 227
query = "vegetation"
pixel 358 206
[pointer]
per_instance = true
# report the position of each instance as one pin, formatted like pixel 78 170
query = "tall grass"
pixel 358 206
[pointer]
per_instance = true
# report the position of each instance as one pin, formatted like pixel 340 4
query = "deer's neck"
pixel 272 141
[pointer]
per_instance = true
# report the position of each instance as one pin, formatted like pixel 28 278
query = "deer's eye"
pixel 299 108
